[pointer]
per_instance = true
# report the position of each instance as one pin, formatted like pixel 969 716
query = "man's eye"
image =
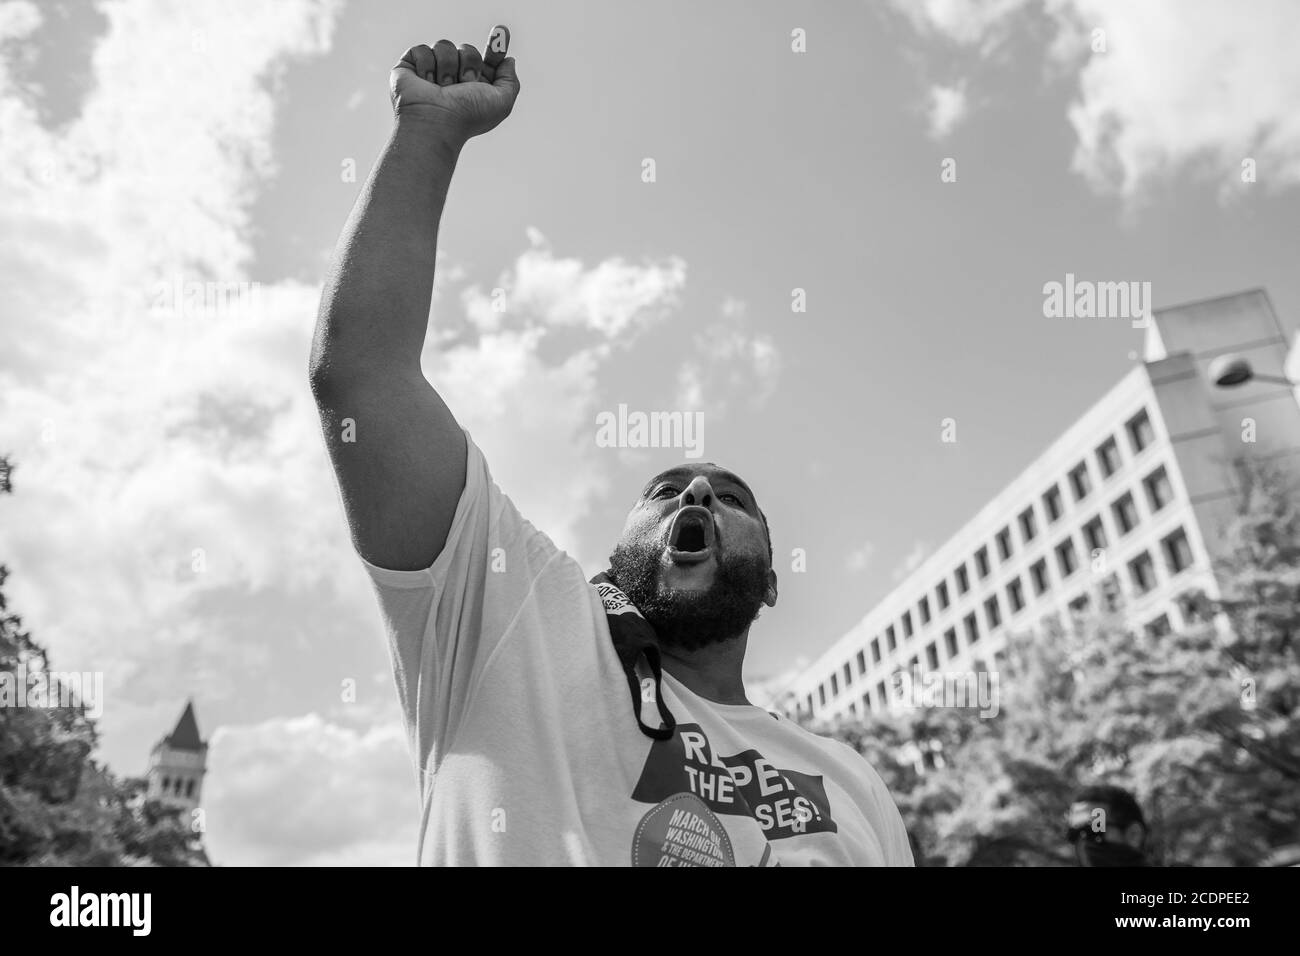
pixel 666 488
pixel 735 498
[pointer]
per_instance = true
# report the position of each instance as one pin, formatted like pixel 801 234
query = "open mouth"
pixel 691 537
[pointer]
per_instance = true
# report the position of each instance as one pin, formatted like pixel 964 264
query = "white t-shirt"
pixel 520 723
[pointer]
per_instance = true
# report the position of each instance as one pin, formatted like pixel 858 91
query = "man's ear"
pixel 770 597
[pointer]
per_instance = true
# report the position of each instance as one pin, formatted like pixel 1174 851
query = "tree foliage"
pixel 1202 725
pixel 58 805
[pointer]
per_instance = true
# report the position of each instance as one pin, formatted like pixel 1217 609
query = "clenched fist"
pixel 469 92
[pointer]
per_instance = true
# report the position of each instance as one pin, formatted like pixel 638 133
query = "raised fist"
pixel 471 93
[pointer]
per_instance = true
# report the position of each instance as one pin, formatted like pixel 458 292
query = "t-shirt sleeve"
pixel 444 622
pixel 881 809
pixel 897 847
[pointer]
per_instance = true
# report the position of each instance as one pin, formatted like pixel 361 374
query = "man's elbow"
pixel 329 372
pixel 322 376
pixel 334 377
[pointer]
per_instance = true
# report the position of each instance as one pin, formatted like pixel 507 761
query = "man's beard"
pixel 689 620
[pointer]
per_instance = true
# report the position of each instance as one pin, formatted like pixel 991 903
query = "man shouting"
pixel 552 719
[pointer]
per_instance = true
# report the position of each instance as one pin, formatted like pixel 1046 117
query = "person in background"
pixel 1106 827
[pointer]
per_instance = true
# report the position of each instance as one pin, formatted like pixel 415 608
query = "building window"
pixel 880 694
pixel 1004 544
pixel 914 663
pixel 992 613
pixel 1077 611
pixel 1066 559
pixel 1094 533
pixel 1126 513
pixel 963 579
pixel 166 784
pixel 1193 607
pixel 982 563
pixel 1027 527
pixel 941 592
pixel 866 703
pixel 1159 491
pixel 932 656
pixel 907 624
pixel 950 642
pixel 891 644
pixel 810 705
pixel 821 693
pixel 848 675
pixel 1110 593
pixel 972 628
pixel 1142 571
pixel 189 788
pixel 1038 573
pixel 875 650
pixel 1052 504
pixel 1140 432
pixel 1178 551
pixel 835 686
pixel 1159 627
pixel 1080 483
pixel 923 606
pixel 853 708
pixel 862 661
pixel 1016 595
pixel 1108 457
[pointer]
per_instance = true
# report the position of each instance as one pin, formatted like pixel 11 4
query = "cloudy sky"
pixel 175 525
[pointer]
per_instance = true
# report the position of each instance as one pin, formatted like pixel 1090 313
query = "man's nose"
pixel 698 492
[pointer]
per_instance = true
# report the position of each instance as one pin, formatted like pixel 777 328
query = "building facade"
pixel 1126 507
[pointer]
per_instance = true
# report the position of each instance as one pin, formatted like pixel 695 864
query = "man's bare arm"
pixel 401 466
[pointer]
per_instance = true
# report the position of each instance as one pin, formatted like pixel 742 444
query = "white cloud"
pixel 533 416
pixel 511 400
pixel 609 299
pixel 947 107
pixel 1190 87
pixel 968 22
pixel 303 791
pixel 728 358
pixel 159 443
pixel 1196 85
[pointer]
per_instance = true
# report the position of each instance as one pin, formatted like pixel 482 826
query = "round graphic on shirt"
pixel 681 831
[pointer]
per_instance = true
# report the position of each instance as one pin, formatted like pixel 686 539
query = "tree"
pixel 58 806
pixel 1203 725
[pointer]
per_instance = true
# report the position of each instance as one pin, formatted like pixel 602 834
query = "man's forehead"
pixel 711 471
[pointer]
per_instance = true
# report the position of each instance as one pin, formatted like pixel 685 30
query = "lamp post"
pixel 1231 370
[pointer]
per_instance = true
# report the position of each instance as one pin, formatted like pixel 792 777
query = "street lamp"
pixel 1231 370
